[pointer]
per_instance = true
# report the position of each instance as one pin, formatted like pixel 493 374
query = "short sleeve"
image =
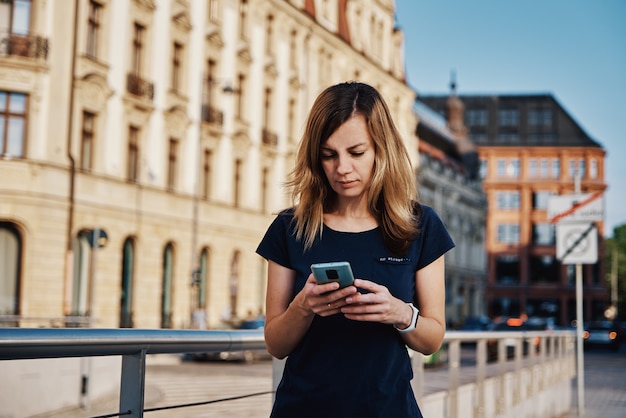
pixel 275 243
pixel 433 236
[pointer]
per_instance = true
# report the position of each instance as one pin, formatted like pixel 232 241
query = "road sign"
pixel 576 243
pixel 588 207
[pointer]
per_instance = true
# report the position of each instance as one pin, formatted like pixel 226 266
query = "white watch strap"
pixel 414 318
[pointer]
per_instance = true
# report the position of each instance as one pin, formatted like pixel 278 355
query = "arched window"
pixel 10 262
pixel 128 275
pixel 203 278
pixel 234 283
pixel 166 291
pixel 80 281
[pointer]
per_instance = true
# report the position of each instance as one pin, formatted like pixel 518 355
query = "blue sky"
pixel 572 49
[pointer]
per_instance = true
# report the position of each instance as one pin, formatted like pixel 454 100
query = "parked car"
pixel 476 323
pixel 603 333
pixel 515 324
pixel 247 356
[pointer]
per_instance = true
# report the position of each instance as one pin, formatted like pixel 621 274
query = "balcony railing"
pixel 212 115
pixel 139 87
pixel 29 46
pixel 269 138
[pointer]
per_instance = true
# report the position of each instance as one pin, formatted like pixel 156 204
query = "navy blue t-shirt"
pixel 345 368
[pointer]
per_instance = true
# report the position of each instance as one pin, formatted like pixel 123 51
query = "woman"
pixel 354 200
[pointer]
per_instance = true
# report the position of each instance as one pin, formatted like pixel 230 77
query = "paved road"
pixel 170 382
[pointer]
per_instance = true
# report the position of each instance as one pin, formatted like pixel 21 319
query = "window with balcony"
pixel 13 122
pixel 87 141
pixel 93 29
pixel 15 34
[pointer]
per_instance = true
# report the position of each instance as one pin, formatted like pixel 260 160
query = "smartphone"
pixel 338 271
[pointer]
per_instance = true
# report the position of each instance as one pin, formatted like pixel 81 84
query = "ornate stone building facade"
pixel 144 145
pixel 449 181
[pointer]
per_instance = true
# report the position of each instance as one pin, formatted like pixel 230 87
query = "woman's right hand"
pixel 323 299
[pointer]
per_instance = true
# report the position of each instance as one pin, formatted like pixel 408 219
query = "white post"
pixel 579 323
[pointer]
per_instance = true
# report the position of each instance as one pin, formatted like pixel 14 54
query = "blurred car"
pixel 519 325
pixel 247 356
pixel 476 323
pixel 603 333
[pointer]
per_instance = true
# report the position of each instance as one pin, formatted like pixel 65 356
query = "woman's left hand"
pixel 377 305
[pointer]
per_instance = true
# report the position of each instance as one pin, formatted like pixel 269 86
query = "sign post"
pixel 577 243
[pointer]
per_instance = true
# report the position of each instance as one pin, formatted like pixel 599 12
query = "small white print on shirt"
pixel 399 260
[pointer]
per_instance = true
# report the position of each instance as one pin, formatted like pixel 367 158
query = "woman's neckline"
pixel 351 232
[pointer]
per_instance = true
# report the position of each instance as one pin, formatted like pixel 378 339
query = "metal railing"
pixel 132 344
pixel 530 349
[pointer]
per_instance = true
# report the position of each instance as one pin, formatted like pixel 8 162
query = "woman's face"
pixel 348 158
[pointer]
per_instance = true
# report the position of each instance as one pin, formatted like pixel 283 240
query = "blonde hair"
pixel 392 195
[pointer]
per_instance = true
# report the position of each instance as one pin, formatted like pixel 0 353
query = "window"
pixel 177 54
pixel 532 168
pixel 264 189
pixel 513 170
pixel 128 273
pixel 544 168
pixel 214 11
pixel 507 269
pixel 240 97
pixel 81 275
pixel 483 169
pixel 476 117
pixel 137 49
pixel 540 199
pixel 172 164
pixel 508 233
pixel 593 169
pixel 243 19
pixel 132 169
pixel 544 234
pixel 293 50
pixel 582 168
pixel 501 168
pixel 556 168
pixel 540 117
pixel 237 183
pixel 508 200
pixel 13 119
pixel 87 138
pixel 508 117
pixel 206 174
pixel 10 262
pixel 269 34
pixel 93 29
pixel 167 285
pixel 544 269
pixel 15 16
pixel 508 137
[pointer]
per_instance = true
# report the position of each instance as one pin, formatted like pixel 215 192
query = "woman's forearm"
pixel 285 331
